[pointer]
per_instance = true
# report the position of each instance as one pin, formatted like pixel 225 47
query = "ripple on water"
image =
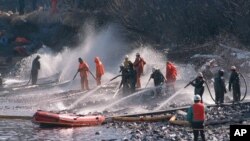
pixel 26 130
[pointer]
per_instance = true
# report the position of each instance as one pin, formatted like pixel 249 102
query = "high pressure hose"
pixel 244 80
pixel 245 86
pixel 209 91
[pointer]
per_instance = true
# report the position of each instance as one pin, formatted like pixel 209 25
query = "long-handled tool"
pixel 115 77
pixel 189 83
pixel 148 82
pixel 75 75
pixel 92 74
pixel 28 81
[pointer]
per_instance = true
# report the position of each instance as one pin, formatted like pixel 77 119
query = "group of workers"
pixel 84 71
pixel 219 85
pixel 131 73
pixel 196 113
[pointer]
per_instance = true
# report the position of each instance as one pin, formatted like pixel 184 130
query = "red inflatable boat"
pixel 45 118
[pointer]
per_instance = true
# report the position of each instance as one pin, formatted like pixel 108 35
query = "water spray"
pixel 92 74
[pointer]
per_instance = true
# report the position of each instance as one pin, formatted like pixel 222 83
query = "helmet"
pixel 137 54
pixel 80 59
pixel 221 72
pixel 200 74
pixel 153 69
pixel 197 97
pixel 126 56
pixel 233 68
pixel 97 59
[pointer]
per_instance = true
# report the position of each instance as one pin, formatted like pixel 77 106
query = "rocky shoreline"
pixel 220 119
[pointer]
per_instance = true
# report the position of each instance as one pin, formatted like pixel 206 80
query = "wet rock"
pixel 209 132
pixel 138 132
pixel 155 132
pixel 164 127
pixel 98 133
pixel 172 135
pixel 125 139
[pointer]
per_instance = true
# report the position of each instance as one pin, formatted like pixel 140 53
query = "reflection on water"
pixel 15 130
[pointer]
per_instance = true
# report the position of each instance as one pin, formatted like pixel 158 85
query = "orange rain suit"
pixel 54 6
pixel 139 65
pixel 83 69
pixel 99 70
pixel 171 73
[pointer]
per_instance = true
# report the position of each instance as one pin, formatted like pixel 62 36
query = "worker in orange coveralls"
pixel 99 70
pixel 54 6
pixel 83 69
pixel 171 74
pixel 139 65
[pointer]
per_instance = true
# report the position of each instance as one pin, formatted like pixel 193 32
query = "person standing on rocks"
pixel 99 70
pixel 83 69
pixel 139 65
pixel 196 117
pixel 54 6
pixel 21 6
pixel 219 87
pixel 171 74
pixel 234 81
pixel 158 79
pixel 132 77
pixel 125 79
pixel 34 70
pixel 198 84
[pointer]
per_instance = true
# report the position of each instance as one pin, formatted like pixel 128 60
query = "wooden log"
pixel 143 119
pixel 173 118
pixel 180 122
pixel 15 117
pixel 175 109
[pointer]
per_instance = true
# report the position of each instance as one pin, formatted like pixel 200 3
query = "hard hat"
pixel 200 74
pixel 233 68
pixel 153 69
pixel 126 56
pixel 197 97
pixel 221 72
pixel 137 54
pixel 97 59
pixel 80 59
